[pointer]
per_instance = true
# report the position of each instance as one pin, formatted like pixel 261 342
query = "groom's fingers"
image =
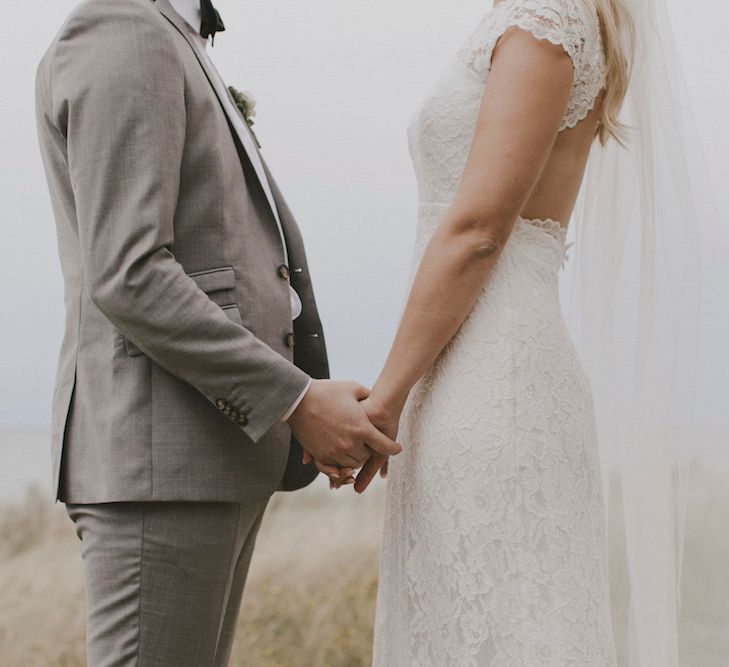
pixel 330 471
pixel 380 443
pixel 333 472
pixel 369 472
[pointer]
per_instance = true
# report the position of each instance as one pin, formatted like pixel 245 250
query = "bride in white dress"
pixel 494 545
pixel 494 551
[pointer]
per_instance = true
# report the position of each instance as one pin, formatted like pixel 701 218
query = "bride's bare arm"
pixel 521 112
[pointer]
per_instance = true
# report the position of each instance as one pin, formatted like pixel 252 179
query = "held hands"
pixel 385 422
pixel 334 427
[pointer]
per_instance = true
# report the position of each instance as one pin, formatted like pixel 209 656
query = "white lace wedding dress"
pixel 494 549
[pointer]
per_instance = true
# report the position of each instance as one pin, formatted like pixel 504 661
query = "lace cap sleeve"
pixel 572 24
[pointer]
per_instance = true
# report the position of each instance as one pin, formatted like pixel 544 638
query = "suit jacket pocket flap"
pixel 214 280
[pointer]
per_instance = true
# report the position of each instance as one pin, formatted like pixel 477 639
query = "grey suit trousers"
pixel 164 580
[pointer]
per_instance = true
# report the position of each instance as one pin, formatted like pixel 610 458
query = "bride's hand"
pixel 385 417
pixel 387 420
pixel 338 477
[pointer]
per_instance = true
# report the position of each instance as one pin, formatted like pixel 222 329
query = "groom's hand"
pixel 333 427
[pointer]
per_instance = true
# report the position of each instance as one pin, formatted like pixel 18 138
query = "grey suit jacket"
pixel 179 356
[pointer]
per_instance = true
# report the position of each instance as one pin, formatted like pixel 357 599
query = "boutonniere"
pixel 246 104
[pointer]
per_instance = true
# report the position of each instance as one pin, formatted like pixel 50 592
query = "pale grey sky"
pixel 336 82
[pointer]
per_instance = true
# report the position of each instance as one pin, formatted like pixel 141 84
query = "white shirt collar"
pixel 190 11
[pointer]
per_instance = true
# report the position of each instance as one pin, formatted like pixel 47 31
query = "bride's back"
pixel 443 128
pixel 556 191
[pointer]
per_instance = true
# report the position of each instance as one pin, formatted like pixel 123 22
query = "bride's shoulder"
pixel 568 22
pixel 573 24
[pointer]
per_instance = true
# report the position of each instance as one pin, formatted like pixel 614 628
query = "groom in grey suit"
pixel 192 349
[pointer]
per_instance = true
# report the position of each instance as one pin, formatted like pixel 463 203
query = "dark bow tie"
pixel 211 21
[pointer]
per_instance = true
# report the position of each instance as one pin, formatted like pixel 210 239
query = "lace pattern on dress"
pixel 551 227
pixel 568 23
pixel 494 551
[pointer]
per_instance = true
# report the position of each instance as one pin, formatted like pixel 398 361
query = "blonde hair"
pixel 616 27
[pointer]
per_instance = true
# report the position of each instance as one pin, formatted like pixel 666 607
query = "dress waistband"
pixel 547 225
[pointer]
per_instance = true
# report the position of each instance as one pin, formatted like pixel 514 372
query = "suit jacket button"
pixel 220 404
pixel 283 271
pixel 290 340
pixel 227 411
pixel 242 420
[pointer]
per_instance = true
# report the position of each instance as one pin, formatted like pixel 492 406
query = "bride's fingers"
pixel 338 477
pixel 384 469
pixel 369 472
pixel 327 469
pixel 339 483
pixel 333 472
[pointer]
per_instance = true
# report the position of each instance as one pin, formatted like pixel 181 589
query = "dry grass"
pixel 310 599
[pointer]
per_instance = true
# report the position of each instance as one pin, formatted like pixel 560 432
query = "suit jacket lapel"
pixel 220 91
pixel 176 20
pixel 290 229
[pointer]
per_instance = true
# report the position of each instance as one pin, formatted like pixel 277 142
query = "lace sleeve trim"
pixel 565 23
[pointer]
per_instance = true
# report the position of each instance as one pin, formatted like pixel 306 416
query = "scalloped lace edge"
pixel 549 225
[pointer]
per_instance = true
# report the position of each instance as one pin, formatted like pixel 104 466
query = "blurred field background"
pixel 311 594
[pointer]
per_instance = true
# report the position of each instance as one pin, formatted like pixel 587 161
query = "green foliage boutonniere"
pixel 246 104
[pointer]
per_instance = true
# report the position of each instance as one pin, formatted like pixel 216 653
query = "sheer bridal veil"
pixel 634 291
